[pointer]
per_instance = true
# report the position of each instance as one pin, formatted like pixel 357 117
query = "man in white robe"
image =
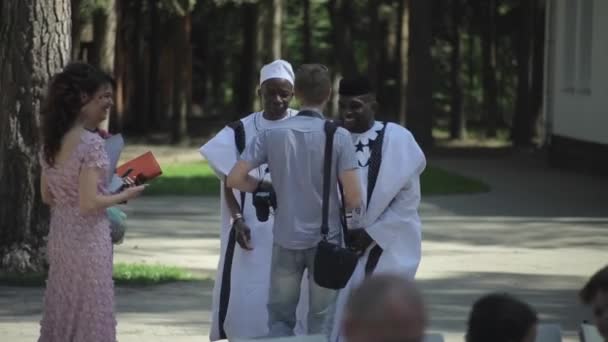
pixel 391 163
pixel 240 293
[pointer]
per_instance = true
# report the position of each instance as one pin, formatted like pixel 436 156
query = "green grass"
pixel 197 178
pixel 188 179
pixel 144 274
pixel 124 275
pixel 436 181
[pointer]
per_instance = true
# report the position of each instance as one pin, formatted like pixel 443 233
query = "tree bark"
pixel 374 41
pixel 76 28
pixel 537 67
pixel 277 28
pixel 135 82
pixel 403 58
pixel 117 116
pixel 271 22
pixel 182 86
pixel 343 58
pixel 307 52
pixel 488 52
pixel 387 84
pixel 153 71
pixel 104 35
pixel 472 43
pixel 339 11
pixel 104 41
pixel 522 131
pixel 245 80
pixel 420 69
pixel 457 122
pixel 36 43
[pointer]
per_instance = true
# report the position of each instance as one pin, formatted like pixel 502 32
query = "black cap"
pixel 355 86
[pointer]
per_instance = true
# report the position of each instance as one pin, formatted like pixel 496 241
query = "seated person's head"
pixel 385 308
pixel 313 85
pixel 501 318
pixel 595 294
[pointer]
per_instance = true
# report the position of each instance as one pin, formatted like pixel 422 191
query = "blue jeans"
pixel 286 272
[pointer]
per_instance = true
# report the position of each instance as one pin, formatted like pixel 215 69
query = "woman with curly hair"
pixel 79 295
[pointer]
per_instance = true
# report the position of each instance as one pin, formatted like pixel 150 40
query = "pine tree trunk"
pixel 339 11
pixel 537 67
pixel 343 59
pixel 76 28
pixel 270 21
pixel 457 121
pixel 522 132
pixel 36 43
pixel 182 86
pixel 307 52
pixel 277 28
pixel 374 39
pixel 403 58
pixel 420 70
pixel 245 80
pixel 104 41
pixel 153 73
pixel 488 52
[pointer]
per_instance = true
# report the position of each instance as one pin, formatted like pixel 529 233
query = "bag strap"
pixel 330 129
pixel 239 141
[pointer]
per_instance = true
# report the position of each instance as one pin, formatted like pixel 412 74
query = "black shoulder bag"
pixel 334 264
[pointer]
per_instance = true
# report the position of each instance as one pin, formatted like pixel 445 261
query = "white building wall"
pixel 577 88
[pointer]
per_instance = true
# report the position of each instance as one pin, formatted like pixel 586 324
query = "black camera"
pixel 263 199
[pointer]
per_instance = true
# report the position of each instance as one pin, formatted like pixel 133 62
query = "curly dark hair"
pixel 597 283
pixel 499 317
pixel 63 103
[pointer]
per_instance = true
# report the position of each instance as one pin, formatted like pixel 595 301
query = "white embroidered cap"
pixel 277 69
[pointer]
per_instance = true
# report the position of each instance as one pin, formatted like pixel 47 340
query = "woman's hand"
pixel 134 191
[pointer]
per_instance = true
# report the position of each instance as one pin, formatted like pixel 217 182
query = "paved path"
pixel 539 234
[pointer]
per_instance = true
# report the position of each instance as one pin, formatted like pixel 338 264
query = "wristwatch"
pixel 237 217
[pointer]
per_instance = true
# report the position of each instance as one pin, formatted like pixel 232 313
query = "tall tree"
pixel 342 36
pixel 343 57
pixel 154 65
pixel 244 81
pixel 403 58
pixel 374 42
pixel 104 40
pixel 121 70
pixel 420 70
pixel 307 53
pixel 522 131
pixel 271 22
pixel 387 61
pixel 36 43
pixel 182 70
pixel 104 36
pixel 488 52
pixel 538 67
pixel 76 28
pixel 457 121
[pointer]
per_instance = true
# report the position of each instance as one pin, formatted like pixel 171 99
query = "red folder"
pixel 144 166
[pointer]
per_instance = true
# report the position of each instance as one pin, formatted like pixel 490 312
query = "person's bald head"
pixel 385 308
